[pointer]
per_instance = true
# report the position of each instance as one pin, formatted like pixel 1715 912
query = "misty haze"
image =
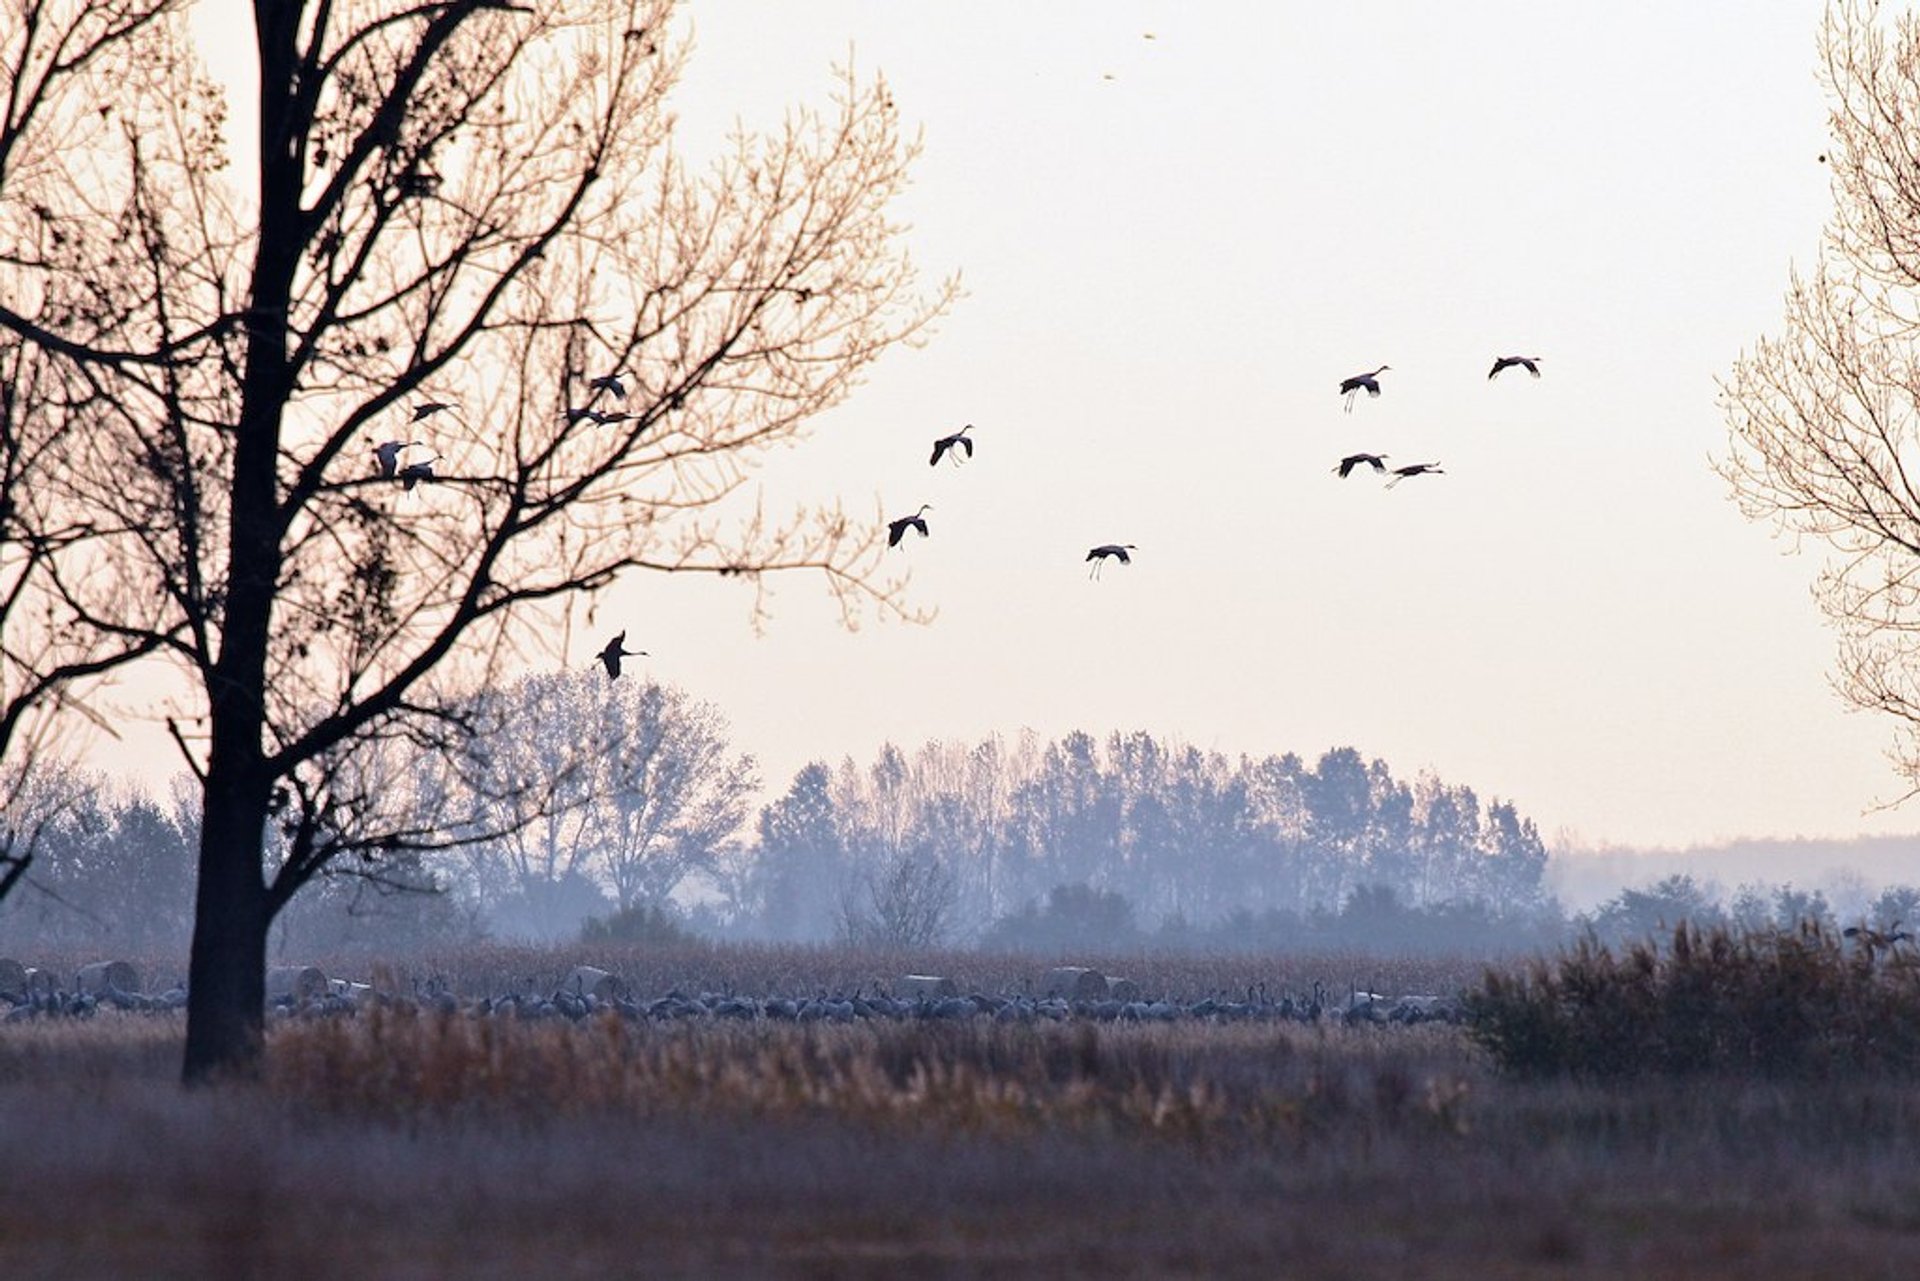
pixel 713 639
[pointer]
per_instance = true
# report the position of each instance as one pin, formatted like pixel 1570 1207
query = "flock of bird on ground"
pixel 957 446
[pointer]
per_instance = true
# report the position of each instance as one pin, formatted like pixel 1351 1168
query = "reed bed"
pixel 1200 1083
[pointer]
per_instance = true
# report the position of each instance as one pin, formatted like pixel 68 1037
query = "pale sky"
pixel 1169 271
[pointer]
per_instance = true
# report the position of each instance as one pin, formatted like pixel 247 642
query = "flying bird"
pixel 1529 363
pixel 610 383
pixel 1351 461
pixel 948 444
pixel 1414 469
pixel 413 473
pixel 1099 556
pixel 615 651
pixel 428 408
pixel 388 453
pixel 1369 383
pixel 897 529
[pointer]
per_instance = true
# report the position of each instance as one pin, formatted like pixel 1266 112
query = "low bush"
pixel 1771 1001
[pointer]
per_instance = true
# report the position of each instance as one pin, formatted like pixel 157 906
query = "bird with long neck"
pixel 1376 461
pixel 1369 383
pixel 956 444
pixel 413 473
pixel 615 651
pixel 1414 469
pixel 897 529
pixel 387 453
pixel 1098 556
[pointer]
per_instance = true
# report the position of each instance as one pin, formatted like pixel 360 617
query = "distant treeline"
pixel 645 829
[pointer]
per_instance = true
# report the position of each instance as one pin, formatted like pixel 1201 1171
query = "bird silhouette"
pixel 1369 383
pixel 428 408
pixel 413 473
pixel 615 651
pixel 1099 555
pixel 948 444
pixel 1876 940
pixel 388 453
pixel 1351 461
pixel 1529 363
pixel 897 529
pixel 610 383
pixel 1414 469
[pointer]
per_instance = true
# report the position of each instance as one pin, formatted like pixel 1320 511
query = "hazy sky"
pixel 1174 248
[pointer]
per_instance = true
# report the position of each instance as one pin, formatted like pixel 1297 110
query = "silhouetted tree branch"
pixel 468 203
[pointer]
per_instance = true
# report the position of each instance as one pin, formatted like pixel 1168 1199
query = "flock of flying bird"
pixel 1370 383
pixel 958 446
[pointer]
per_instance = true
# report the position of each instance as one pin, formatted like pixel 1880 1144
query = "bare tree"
pixel 463 224
pixel 629 784
pixel 903 902
pixel 1824 417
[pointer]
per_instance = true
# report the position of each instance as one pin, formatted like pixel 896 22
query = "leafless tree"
pixel 468 203
pixel 1824 417
pixel 904 902
pixel 630 784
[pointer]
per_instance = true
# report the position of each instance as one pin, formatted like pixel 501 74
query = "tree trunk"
pixel 226 986
pixel 226 978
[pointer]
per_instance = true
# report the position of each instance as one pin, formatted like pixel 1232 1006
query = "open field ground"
pixel 417 1145
pixel 403 1141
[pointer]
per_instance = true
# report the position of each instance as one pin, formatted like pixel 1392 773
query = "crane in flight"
pixel 1529 363
pixel 428 408
pixel 897 529
pixel 388 454
pixel 615 651
pixel 1098 556
pixel 955 444
pixel 609 383
pixel 413 473
pixel 1369 383
pixel 1376 461
pixel 1414 469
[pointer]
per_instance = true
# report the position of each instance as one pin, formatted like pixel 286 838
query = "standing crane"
pixel 1376 461
pixel 897 529
pixel 615 651
pixel 949 444
pixel 1369 383
pixel 1098 556
pixel 1529 363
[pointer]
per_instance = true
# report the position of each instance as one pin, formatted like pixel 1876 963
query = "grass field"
pixel 399 1145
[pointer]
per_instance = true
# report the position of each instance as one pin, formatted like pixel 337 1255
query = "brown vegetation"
pixel 1769 1002
pixel 405 1142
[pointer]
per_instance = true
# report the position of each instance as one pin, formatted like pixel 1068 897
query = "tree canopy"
pixel 462 235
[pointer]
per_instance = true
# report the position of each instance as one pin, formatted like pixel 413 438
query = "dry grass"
pixel 420 1145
